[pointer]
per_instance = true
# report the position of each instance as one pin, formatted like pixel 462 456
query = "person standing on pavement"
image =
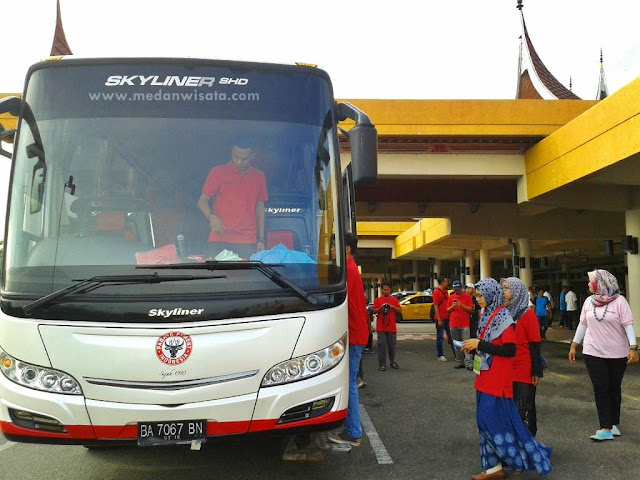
pixel 542 308
pixel 386 307
pixel 470 289
pixel 358 336
pixel 527 364
pixel 564 318
pixel 459 307
pixel 606 326
pixel 505 441
pixel 572 308
pixel 532 297
pixel 440 298
pixel 547 294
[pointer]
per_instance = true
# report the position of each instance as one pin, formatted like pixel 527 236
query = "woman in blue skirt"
pixel 505 441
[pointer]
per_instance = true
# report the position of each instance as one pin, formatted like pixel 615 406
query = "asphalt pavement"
pixel 419 424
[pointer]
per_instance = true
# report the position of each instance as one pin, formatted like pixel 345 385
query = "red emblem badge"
pixel 173 348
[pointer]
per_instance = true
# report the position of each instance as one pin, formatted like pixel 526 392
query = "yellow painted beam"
pixel 422 233
pixel 382 229
pixel 510 118
pixel 602 136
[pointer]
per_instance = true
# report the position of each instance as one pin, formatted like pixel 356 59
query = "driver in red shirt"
pixel 238 192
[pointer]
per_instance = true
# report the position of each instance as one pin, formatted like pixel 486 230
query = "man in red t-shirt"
pixel 358 338
pixel 440 298
pixel 460 306
pixel 386 308
pixel 238 191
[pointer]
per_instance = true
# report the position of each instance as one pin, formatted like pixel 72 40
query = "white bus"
pixel 116 325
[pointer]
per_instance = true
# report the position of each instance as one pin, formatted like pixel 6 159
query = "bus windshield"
pixel 123 165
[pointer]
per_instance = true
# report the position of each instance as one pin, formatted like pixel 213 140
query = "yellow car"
pixel 416 307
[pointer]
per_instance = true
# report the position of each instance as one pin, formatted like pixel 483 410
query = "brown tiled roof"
pixel 546 77
pixel 526 88
pixel 60 45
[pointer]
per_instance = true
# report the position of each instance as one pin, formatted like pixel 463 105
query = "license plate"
pixel 171 433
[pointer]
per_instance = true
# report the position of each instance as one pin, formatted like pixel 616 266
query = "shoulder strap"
pixel 484 330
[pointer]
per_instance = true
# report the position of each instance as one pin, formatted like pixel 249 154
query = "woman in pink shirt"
pixel 606 325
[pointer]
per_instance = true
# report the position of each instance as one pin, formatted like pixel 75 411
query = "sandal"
pixel 395 366
pixel 382 368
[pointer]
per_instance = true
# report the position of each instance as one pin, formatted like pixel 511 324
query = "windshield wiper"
pixel 266 269
pixel 96 282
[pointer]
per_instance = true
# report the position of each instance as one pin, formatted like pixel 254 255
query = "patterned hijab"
pixel 494 296
pixel 519 297
pixel 605 286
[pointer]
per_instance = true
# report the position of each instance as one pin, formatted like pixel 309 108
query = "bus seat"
pixel 109 222
pixel 115 223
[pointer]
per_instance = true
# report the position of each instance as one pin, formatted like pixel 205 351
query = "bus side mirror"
pixel 363 138
pixel 364 154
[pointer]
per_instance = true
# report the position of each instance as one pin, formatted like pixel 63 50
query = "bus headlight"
pixel 38 378
pixel 307 366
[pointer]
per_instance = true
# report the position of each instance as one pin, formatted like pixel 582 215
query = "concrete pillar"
pixel 632 225
pixel 470 261
pixel 437 268
pixel 416 275
pixel 564 266
pixel 400 276
pixel 372 289
pixel 380 280
pixel 526 274
pixel 485 263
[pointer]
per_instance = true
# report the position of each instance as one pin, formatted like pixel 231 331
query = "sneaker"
pixel 369 351
pixel 342 437
pixel 360 383
pixel 615 432
pixel 470 368
pixel 602 435
pixel 459 365
pixel 442 358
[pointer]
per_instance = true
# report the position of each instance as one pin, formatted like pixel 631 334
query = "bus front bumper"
pixel 74 419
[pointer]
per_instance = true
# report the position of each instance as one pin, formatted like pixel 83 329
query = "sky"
pixel 432 49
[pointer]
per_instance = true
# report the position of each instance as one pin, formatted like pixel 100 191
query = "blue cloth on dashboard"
pixel 280 254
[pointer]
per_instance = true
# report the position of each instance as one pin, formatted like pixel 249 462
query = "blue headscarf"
pixel 519 301
pixel 494 296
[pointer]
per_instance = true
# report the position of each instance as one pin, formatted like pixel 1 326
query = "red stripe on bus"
pixel 73 431
pixel 121 432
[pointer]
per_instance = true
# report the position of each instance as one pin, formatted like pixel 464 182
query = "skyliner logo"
pixel 171 80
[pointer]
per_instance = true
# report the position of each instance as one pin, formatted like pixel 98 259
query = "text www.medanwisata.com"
pixel 160 96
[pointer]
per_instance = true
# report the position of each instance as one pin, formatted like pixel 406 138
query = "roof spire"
pixel 603 91
pixel 536 81
pixel 519 82
pixel 60 45
pixel 570 83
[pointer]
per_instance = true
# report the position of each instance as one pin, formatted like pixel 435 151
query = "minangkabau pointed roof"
pixel 534 78
pixel 60 45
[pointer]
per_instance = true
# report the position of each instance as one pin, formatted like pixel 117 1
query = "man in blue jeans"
pixel 440 299
pixel 358 337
